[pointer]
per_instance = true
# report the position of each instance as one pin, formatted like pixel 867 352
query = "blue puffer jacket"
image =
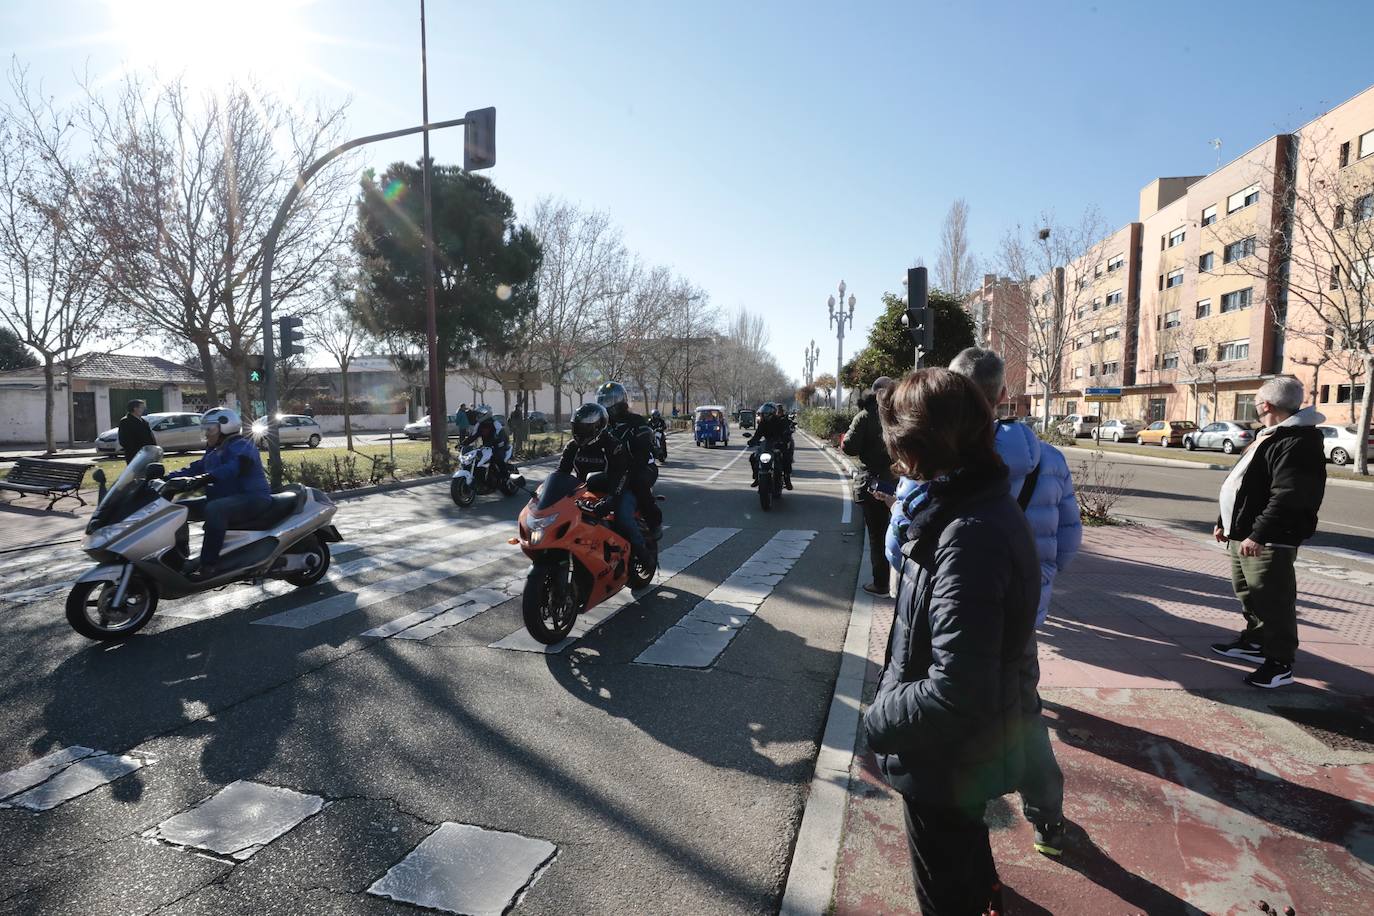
pixel 1052 513
pixel 235 468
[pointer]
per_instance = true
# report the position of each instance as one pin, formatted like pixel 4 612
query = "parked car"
pixel 1341 442
pixel 417 430
pixel 1077 425
pixel 538 422
pixel 1230 436
pixel 173 432
pixel 1118 430
pixel 292 429
pixel 1165 433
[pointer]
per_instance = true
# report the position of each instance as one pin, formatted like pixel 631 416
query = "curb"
pixel 815 856
pixel 1146 459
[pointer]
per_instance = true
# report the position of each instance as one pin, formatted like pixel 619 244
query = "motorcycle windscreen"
pixel 557 487
pixel 129 491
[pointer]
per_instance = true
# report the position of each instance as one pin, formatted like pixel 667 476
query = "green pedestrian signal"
pixel 255 376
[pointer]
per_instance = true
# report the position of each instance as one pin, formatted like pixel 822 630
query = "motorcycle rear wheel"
pixel 546 623
pixel 311 546
pixel 89 610
pixel 462 492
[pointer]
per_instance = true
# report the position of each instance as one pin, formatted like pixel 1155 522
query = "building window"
pixel 1176 237
pixel 1171 361
pixel 1245 407
pixel 1096 335
pixel 1071 407
pixel 1235 301
pixel 1339 218
pixel 1335 276
pixel 1326 394
pixel 1366 143
pixel 1209 215
pixel 1205 262
pixel 1363 209
pixel 1156 409
pixel 1233 350
pixel 1111 368
pixel 1345 394
pixel 1237 250
pixel 1199 355
pixel 1173 278
pixel 1345 154
pixel 1078 343
pixel 1116 263
pixel 1112 333
pixel 1114 298
pixel 1204 308
pixel 1242 198
pixel 1097 303
pixel 1097 270
pixel 1077 371
pixel 1082 310
pixel 1172 319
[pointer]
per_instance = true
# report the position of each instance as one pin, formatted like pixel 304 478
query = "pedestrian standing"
pixel 946 722
pixel 1269 506
pixel 877 484
pixel 134 431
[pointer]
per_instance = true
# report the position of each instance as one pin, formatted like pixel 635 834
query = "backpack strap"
pixel 1028 488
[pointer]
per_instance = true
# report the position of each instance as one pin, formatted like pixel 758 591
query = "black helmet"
pixel 768 409
pixel 655 414
pixel 589 422
pixel 612 397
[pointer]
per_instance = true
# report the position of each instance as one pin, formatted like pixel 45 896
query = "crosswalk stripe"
pixel 43 784
pixel 670 562
pixel 450 612
pixel 702 634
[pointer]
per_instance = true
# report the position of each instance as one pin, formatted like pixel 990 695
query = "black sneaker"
pixel 1246 651
pixel 873 589
pixel 787 482
pixel 1049 839
pixel 754 482
pixel 1270 674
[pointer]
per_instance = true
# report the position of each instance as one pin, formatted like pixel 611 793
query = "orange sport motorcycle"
pixel 579 558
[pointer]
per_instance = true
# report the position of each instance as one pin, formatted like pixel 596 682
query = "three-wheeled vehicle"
pixel 746 418
pixel 711 427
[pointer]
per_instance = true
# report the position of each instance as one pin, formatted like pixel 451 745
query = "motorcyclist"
pixel 493 435
pixel 773 426
pixel 236 488
pixel 635 434
pixel 594 449
pixel 660 427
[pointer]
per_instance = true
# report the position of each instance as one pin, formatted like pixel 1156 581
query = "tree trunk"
pixel 207 370
pixel 240 370
pixel 557 402
pixel 1366 408
pixel 49 400
pixel 347 414
pixel 71 409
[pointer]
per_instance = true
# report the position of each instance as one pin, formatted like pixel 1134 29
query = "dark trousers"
pixel 876 517
pixel 223 513
pixel 644 500
pixel 1267 587
pixel 951 859
pixel 625 522
pixel 1042 786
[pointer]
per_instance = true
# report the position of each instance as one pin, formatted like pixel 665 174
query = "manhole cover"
pixel 1338 729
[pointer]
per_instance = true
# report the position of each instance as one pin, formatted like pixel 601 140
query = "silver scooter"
pixel 138 538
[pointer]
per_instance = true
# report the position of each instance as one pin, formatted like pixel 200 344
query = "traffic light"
pixel 919 319
pixel 479 139
pixel 255 367
pixel 292 336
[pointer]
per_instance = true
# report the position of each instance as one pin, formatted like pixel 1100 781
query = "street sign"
pixel 1102 395
pixel 520 381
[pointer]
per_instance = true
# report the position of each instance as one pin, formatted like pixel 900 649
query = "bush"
pixel 1099 488
pixel 824 422
pixel 1054 437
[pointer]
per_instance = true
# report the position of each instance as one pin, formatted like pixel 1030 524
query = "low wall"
pixel 333 424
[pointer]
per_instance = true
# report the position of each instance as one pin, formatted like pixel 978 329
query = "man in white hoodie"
pixel 1040 481
pixel 1269 506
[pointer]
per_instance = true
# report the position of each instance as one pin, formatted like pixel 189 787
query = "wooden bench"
pixel 54 479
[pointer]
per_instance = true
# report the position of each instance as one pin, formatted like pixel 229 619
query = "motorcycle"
pixel 476 476
pixel 579 560
pixel 660 446
pixel 138 536
pixel 770 474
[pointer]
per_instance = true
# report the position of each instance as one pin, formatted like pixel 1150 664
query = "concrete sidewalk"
pixel 1186 790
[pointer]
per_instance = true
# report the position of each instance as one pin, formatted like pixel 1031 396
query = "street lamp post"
pixel 813 353
pixel 838 318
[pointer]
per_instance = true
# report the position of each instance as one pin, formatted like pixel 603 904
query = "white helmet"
pixel 226 418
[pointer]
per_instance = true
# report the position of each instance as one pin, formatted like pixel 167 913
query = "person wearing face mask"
pixel 1269 505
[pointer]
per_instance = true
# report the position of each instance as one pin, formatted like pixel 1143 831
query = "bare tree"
pixel 337 332
pixel 956 268
pixel 825 384
pixel 50 260
pixel 1054 266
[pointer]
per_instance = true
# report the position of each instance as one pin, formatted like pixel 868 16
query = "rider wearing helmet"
pixel 656 421
pixel 773 426
pixel 638 438
pixel 494 436
pixel 236 488
pixel 594 450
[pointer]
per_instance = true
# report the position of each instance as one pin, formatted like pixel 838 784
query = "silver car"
pixel 292 429
pixel 1227 435
pixel 173 432
pixel 1119 430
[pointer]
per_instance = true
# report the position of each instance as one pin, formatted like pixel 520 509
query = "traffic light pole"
pixel 269 251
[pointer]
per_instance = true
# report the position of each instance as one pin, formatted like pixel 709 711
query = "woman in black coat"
pixel 947 720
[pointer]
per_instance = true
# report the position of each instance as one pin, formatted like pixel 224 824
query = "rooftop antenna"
pixel 1215 143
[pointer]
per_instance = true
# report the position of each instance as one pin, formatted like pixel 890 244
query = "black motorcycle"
pixel 660 446
pixel 770 474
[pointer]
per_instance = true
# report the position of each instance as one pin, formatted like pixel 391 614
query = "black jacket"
pixel 134 433
pixel 948 717
pixel 775 428
pixel 491 435
pixel 634 432
pixel 865 442
pixel 602 454
pixel 1282 489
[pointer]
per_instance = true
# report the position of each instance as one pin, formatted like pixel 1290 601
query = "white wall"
pixel 21 415
pixel 363 422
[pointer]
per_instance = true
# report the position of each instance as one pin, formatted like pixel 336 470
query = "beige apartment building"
pixel 1262 267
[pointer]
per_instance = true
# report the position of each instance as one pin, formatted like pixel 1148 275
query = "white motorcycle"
pixel 476 475
pixel 139 538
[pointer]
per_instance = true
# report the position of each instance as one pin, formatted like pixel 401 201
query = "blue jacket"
pixel 1052 513
pixel 235 468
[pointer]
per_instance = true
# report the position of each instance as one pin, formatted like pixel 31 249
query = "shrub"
pixel 1054 437
pixel 1099 488
pixel 340 473
pixel 824 422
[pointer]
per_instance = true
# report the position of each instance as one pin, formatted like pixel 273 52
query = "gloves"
pixel 602 508
pixel 184 484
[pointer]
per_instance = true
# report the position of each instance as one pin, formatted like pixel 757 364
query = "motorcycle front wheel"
pixel 643 569
pixel 766 493
pixel 545 619
pixel 462 492
pixel 91 611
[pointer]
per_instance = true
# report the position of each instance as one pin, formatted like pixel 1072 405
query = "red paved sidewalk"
pixel 1186 792
pixel 27 524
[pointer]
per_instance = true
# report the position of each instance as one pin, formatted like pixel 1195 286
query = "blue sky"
pixel 769 149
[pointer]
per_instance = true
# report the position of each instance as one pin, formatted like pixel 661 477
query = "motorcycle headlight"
pixel 765 458
pixel 539 523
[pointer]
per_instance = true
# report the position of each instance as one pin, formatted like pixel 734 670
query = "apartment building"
pixel 998 310
pixel 1257 269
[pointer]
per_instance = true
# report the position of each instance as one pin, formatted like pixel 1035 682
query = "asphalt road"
pixel 661 788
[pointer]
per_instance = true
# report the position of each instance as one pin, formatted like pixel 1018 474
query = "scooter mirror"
pixel 156 471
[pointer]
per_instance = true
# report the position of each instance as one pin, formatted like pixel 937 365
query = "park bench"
pixel 53 479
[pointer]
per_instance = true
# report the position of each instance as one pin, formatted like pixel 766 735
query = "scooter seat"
pixel 283 504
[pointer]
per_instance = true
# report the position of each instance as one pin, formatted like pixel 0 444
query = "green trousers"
pixel 1267 588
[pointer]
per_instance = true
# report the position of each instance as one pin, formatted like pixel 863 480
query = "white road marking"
pixel 670 562
pixel 728 465
pixel 42 769
pixel 238 820
pixel 702 634
pixel 70 773
pixel 846 481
